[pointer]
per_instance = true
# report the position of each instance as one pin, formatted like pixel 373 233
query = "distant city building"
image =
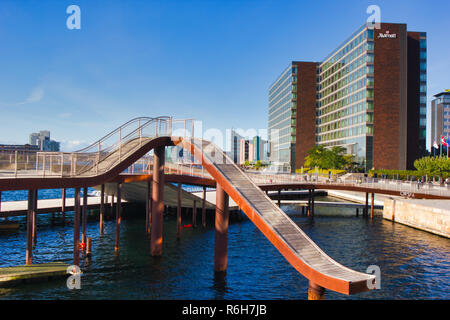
pixel 259 150
pixel 245 149
pixel 440 117
pixel 368 96
pixel 235 151
pixel 43 141
pixel 18 147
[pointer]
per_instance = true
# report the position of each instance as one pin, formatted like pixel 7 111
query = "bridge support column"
pixel 308 212
pixel 84 218
pixel 111 213
pixel 118 216
pixel 366 208
pixel 29 252
pixel 102 208
pixel 179 212
pixel 315 292
pixel 34 218
pixel 221 234
pixel 312 202
pixel 279 197
pixel 371 205
pixel 148 208
pixel 76 228
pixel 194 214
pixel 204 208
pixel 158 201
pixel 63 206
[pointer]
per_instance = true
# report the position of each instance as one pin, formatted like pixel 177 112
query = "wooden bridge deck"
pixel 284 234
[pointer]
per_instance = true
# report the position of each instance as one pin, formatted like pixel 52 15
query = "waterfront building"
pixel 368 96
pixel 440 117
pixel 259 149
pixel 246 149
pixel 235 150
pixel 43 141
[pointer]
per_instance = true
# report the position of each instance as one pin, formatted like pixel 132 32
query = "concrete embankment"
pixel 428 215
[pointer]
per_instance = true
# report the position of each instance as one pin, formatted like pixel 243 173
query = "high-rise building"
pixel 368 96
pixel 440 117
pixel 235 149
pixel 43 141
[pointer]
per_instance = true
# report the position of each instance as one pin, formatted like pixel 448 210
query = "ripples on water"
pixel 414 264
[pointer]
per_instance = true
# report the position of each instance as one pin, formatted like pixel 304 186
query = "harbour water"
pixel 414 264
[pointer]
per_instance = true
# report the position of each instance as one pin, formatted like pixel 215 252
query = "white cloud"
pixel 36 95
pixel 73 145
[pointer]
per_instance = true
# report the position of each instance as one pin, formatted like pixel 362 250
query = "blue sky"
pixel 208 60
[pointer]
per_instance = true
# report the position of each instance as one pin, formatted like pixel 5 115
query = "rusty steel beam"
pixel 221 233
pixel 76 229
pixel 157 201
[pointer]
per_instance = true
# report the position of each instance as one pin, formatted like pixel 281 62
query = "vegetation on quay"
pixel 437 167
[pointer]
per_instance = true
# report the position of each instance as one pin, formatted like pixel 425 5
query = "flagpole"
pixel 447 146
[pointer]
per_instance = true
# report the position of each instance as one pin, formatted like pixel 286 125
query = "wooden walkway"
pixel 285 235
pixel 34 272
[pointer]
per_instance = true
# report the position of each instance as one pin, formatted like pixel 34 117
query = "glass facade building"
pixel 282 113
pixel 370 98
pixel 345 83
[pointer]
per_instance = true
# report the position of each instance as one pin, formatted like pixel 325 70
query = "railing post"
pixel 15 164
pixel 62 164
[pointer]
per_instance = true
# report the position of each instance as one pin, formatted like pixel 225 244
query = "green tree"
pixel 324 158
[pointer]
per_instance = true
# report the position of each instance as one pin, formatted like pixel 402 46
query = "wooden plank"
pixel 9 275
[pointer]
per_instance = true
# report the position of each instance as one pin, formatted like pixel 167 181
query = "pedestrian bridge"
pixel 130 144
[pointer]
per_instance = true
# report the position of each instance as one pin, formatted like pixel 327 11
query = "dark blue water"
pixel 414 264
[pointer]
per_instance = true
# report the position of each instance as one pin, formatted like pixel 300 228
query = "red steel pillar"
pixel 179 212
pixel 118 216
pixel 63 206
pixel 29 252
pixel 34 218
pixel 148 208
pixel 204 208
pixel 76 228
pixel 221 234
pixel 84 218
pixel 371 205
pixel 315 292
pixel 102 208
pixel 157 201
pixel 194 214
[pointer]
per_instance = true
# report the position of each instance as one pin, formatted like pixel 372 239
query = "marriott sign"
pixel 387 35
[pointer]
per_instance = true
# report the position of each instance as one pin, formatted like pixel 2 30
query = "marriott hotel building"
pixel 368 96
